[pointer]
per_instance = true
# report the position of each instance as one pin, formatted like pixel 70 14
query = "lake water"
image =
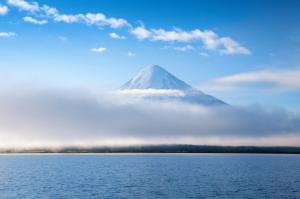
pixel 150 176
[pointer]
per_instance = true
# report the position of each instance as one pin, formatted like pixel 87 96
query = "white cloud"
pixel 232 47
pixel 101 20
pixel 116 36
pixel 3 10
pixel 24 5
pixel 7 34
pixel 98 50
pixel 98 19
pixel 141 33
pixel 211 40
pixel 131 54
pixel 35 21
pixel 69 18
pixel 49 11
pixel 175 35
pixel 279 79
pixel 67 117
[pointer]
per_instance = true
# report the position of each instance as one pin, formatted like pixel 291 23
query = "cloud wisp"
pixel 98 50
pixel 282 80
pixel 35 21
pixel 210 40
pixel 24 5
pixel 3 10
pixel 116 36
pixel 46 11
pixel 7 34
pixel 67 117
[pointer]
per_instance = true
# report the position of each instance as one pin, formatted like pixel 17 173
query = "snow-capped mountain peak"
pixel 155 77
pixel 155 83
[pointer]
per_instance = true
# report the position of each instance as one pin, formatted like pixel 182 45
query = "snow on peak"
pixel 155 77
pixel 155 83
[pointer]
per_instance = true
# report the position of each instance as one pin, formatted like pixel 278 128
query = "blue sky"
pixel 243 52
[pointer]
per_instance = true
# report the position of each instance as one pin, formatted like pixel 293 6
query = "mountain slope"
pixel 155 77
pixel 155 83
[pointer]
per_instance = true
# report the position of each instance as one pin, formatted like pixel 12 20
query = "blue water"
pixel 150 176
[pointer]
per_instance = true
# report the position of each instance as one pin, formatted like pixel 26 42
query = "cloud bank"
pixel 53 117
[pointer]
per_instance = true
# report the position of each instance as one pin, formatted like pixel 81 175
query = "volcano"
pixel 155 83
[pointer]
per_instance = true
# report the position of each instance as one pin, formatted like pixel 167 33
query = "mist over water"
pixel 73 117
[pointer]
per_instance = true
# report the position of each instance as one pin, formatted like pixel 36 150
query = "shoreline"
pixel 157 149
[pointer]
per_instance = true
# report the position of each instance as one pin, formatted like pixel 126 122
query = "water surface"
pixel 150 176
